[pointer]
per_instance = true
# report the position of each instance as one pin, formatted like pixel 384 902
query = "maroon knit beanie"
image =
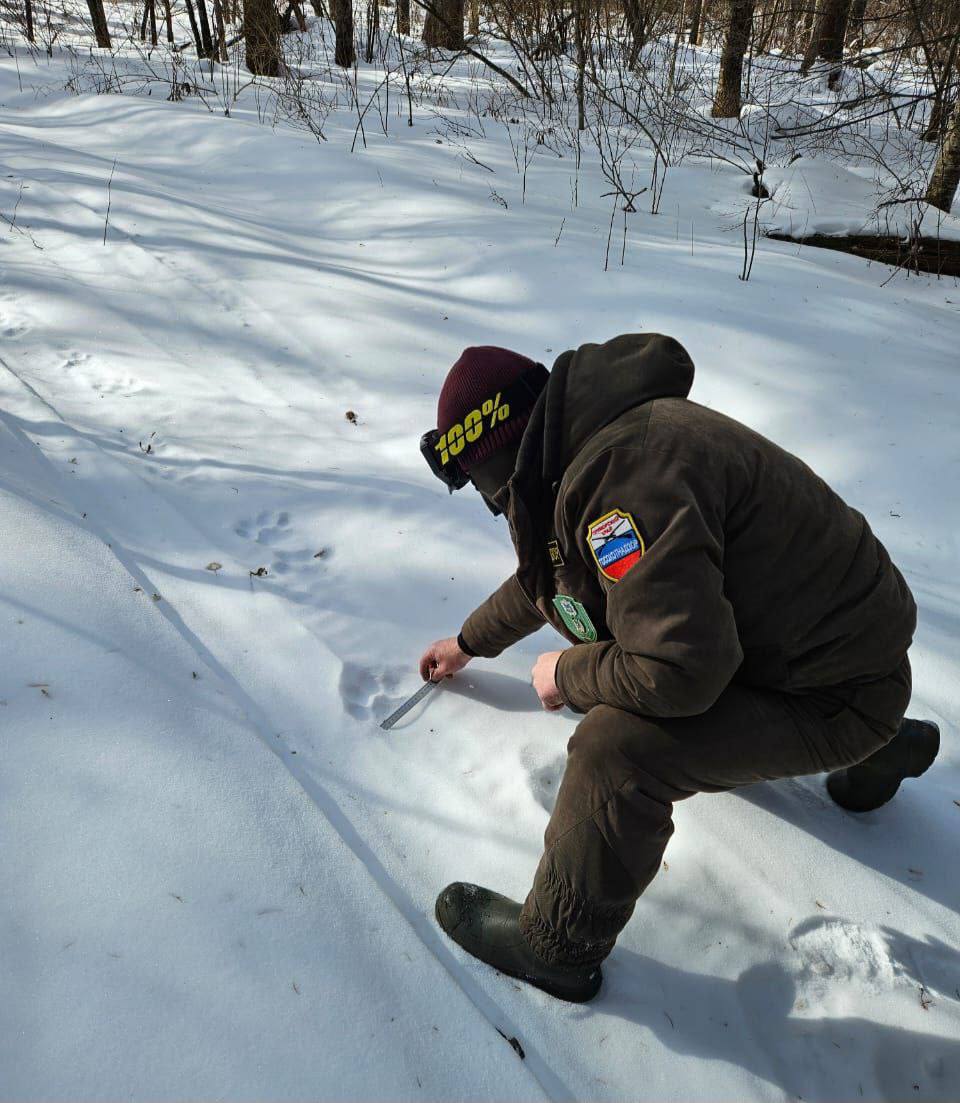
pixel 487 379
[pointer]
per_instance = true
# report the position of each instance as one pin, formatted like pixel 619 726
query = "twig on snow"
pixel 106 221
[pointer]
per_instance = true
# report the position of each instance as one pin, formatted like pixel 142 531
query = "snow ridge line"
pixel 548 1080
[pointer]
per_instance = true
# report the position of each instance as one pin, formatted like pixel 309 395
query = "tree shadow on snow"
pixel 904 840
pixel 758 1023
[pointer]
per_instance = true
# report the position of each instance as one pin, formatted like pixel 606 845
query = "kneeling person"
pixel 732 621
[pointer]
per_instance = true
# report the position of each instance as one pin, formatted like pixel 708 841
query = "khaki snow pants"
pixel 612 820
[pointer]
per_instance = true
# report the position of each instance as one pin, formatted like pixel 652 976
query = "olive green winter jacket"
pixel 679 550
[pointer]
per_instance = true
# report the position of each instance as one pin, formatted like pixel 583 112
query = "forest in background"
pixel 874 83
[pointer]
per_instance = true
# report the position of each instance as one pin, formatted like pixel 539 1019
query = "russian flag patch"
pixel 615 543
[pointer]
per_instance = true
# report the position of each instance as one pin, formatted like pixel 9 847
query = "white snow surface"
pixel 218 873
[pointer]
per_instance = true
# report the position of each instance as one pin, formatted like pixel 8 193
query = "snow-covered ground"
pixel 218 873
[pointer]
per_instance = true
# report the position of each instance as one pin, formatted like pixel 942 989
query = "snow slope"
pixel 222 886
pixel 181 919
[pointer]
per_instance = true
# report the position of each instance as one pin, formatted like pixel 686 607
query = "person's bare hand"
pixel 442 659
pixel 545 681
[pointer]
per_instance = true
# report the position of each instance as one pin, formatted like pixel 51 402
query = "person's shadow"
pixel 498 691
pixel 761 1023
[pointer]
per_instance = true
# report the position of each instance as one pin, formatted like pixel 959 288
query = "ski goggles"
pixel 451 474
pixel 441 450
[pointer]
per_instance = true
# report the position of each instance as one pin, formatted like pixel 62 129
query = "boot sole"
pixel 843 790
pixel 566 995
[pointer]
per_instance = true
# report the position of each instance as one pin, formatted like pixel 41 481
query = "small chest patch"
pixel 556 556
pixel 575 617
pixel 615 543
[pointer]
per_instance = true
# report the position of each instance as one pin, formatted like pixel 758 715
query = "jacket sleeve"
pixel 675 646
pixel 504 618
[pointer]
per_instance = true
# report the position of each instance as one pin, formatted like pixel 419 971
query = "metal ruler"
pixel 408 705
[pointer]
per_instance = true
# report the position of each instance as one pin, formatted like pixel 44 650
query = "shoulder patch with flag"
pixel 615 543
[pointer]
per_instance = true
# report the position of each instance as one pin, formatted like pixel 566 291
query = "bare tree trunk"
pixel 403 16
pixel 372 29
pixel 168 19
pixel 28 16
pixel 806 32
pixel 194 29
pixel 221 26
pixel 811 27
pixel 444 24
pixel 99 17
pixel 474 26
pixel 676 45
pixel 941 95
pixel 696 19
pixel 727 103
pixel 581 23
pixel 858 11
pixel 204 29
pixel 945 178
pixel 261 32
pixel 828 38
pixel 637 25
pixel 344 53
pixel 769 26
pixel 833 34
pixel 937 121
pixel 149 18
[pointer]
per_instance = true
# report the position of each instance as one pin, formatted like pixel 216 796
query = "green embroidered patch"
pixel 575 617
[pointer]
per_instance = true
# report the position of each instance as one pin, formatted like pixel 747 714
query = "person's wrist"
pixel 558 675
pixel 465 647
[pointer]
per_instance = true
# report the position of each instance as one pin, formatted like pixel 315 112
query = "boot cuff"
pixel 551 947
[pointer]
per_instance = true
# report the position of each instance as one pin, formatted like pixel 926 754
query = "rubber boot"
pixel 486 925
pixel 874 781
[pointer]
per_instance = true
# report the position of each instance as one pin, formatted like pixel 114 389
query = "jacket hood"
pixel 592 386
pixel 601 382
